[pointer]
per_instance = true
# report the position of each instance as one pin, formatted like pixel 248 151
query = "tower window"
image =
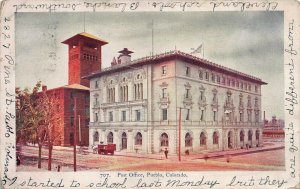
pixel 90 57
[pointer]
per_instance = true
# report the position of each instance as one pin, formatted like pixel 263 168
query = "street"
pixel 257 159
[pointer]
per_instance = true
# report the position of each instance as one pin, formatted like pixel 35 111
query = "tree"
pixel 29 128
pixel 51 122
pixel 37 120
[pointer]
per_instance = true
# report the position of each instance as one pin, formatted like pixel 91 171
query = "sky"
pixel 250 42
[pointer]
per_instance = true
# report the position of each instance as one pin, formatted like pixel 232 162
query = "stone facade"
pixel 136 105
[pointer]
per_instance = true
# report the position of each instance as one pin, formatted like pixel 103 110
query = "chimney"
pixel 44 88
pixel 125 56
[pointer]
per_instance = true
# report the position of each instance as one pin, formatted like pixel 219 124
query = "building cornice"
pixel 175 55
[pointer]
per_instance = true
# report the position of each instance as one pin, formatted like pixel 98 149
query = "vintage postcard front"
pixel 149 94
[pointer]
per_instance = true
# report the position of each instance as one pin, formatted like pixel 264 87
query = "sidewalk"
pixel 192 156
pixel 210 155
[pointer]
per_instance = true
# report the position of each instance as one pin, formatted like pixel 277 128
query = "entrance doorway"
pixel 124 141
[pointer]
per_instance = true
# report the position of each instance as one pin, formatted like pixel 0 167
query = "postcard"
pixel 150 94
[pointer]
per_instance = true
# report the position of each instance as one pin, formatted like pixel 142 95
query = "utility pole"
pixel 79 128
pixel 75 136
pixel 179 136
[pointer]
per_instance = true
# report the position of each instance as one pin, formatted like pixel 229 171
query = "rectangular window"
pixel 71 95
pixel 218 79
pixel 213 78
pixel 96 84
pixel 164 92
pixel 96 117
pixel 206 76
pixel 241 116
pixel 187 71
pixel 111 116
pixel 72 122
pixel 223 80
pixel 187 93
pixel 164 114
pixel 96 103
pixel 123 116
pixel 202 115
pixel 255 88
pixel 201 74
pixel 249 87
pixel 214 97
pixel 72 108
pixel 249 116
pixel 138 115
pixel 228 81
pixel 187 114
pixel 214 115
pixel 201 95
pixel 164 70
pixel 256 102
pixel 256 117
pixel 237 84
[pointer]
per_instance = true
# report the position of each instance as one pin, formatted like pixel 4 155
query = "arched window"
pixel 188 140
pixel 202 139
pixel 250 135
pixel 242 136
pixel 96 136
pixel 257 134
pixel 164 140
pixel 138 91
pixel 138 139
pixel 110 138
pixel 215 138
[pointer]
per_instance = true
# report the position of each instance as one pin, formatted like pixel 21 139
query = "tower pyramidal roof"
pixel 85 35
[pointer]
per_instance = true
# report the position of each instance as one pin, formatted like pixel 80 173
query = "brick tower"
pixel 84 57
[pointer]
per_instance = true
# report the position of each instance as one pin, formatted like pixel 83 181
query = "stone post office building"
pixel 135 105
